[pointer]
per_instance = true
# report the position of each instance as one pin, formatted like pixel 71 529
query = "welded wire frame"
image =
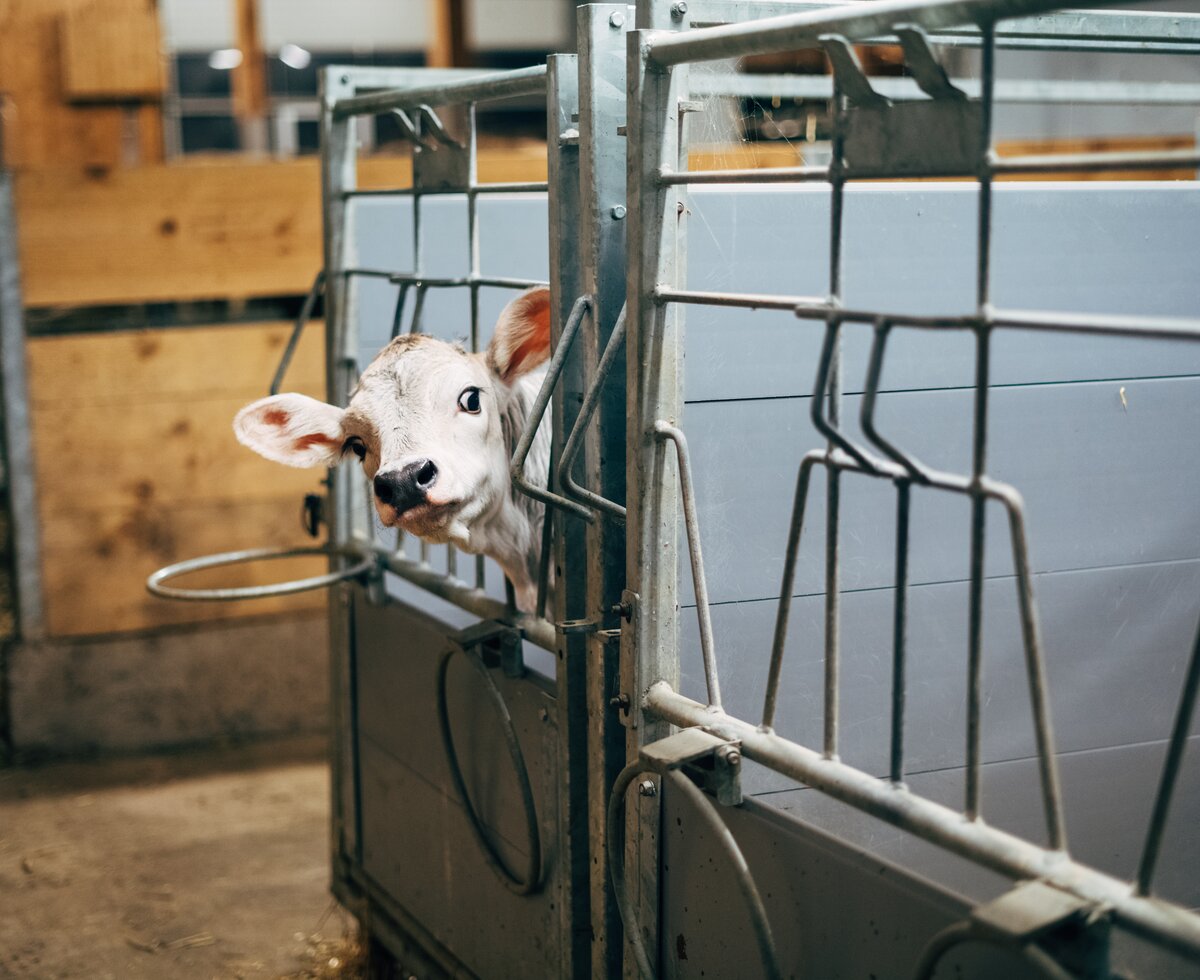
pixel 413 106
pixel 662 54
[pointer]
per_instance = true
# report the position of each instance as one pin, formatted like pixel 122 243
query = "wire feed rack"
pixel 945 134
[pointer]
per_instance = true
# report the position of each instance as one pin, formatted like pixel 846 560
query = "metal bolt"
pixel 624 610
pixel 618 211
pixel 647 788
pixel 621 701
pixel 617 19
pixel 678 10
pixel 731 756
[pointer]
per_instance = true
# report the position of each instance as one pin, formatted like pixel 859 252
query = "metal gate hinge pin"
pixel 647 788
pixel 624 610
pixel 621 702
pixel 616 20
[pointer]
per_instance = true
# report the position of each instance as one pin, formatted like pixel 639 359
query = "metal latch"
pixel 499 645
pixel 712 762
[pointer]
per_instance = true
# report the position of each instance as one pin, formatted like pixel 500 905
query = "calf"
pixel 435 428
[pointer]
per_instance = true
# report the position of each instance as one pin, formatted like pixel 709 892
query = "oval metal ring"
pixel 531 882
pixel 155 582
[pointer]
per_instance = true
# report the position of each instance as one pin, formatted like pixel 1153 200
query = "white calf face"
pixel 431 424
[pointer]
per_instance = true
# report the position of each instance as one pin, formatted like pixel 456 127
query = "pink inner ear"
pixel 276 416
pixel 312 439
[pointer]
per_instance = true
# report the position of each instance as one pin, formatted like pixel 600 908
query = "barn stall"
pixel 939 604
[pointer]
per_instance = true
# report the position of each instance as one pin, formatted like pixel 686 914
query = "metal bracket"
pixel 1075 932
pixel 921 137
pixel 713 763
pixel 499 645
pixel 440 161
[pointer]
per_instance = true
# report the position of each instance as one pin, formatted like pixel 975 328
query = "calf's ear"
pixel 522 338
pixel 292 429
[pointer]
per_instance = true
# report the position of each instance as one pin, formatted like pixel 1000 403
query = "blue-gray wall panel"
pixel 1104 484
pixel 1111 637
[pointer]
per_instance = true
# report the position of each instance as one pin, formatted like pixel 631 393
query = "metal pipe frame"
pixel 657 154
pixel 18 452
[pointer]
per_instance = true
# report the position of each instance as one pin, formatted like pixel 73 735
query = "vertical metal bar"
pixel 979 436
pixel 1170 773
pixel 1039 703
pixel 346 487
pixel 899 632
pixel 600 33
pixel 837 187
pixel 699 583
pixel 568 546
pixel 656 238
pixel 788 588
pixel 18 444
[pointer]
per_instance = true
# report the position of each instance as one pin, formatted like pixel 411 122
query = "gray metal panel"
pixel 416 842
pixel 1104 483
pixel 911 248
pixel 839 912
pixel 1112 637
pixel 1108 794
pixel 834 912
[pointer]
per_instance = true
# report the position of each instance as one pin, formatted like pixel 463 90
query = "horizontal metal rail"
pixel 1122 31
pixel 451 282
pixel 858 22
pixel 500 85
pixel 1010 91
pixel 500 187
pixel 471 598
pixel 973 839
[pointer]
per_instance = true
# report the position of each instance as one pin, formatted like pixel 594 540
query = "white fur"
pixel 406 408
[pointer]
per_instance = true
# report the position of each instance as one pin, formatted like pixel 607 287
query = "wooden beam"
pixel 250 78
pixel 447 47
pixel 112 52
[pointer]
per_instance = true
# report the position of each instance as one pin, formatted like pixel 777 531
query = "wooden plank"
pixel 95 564
pixel 112 51
pixel 138 467
pixel 42 128
pixel 140 366
pixel 195 230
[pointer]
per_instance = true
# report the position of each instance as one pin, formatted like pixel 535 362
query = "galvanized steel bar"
pixel 1170 773
pixel 973 839
pixel 858 22
pixel 899 633
pixel 699 583
pixel 500 85
pixel 18 459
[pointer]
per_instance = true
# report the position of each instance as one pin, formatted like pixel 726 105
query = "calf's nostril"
pixel 426 474
pixel 383 489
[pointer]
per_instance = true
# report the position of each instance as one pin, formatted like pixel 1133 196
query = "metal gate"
pixel 484 760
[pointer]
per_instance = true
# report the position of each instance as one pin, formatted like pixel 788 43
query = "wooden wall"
pixel 137 467
pixel 82 80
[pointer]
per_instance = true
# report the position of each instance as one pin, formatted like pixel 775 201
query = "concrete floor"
pixel 200 865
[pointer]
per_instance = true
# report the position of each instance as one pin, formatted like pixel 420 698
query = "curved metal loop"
pixel 708 811
pixel 699 582
pixel 531 881
pixel 927 71
pixel 436 128
pixel 575 440
pixel 306 311
pixel 821 391
pixel 963 932
pixel 154 583
pixel 917 470
pixel 538 411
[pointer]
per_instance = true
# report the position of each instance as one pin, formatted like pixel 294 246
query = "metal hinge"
pixel 499 645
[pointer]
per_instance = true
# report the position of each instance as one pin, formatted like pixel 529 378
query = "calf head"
pixel 434 428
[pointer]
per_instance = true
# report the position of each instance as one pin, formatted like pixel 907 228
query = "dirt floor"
pixel 204 865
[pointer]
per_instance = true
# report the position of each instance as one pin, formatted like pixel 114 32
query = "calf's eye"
pixel 356 446
pixel 468 401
